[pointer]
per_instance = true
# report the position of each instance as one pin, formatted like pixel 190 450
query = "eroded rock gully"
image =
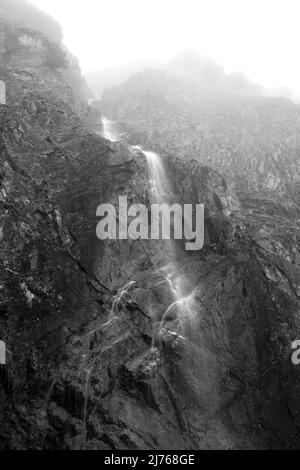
pixel 93 360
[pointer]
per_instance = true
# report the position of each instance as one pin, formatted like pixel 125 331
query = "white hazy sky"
pixel 258 37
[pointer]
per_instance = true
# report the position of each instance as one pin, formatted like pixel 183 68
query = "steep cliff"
pixel 96 358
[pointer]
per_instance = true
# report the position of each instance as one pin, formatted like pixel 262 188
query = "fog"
pixel 25 12
pixel 257 37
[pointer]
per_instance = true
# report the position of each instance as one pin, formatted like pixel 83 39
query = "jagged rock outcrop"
pixel 96 365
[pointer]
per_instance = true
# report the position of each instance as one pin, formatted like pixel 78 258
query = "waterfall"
pixel 161 192
pixel 159 184
pixel 108 130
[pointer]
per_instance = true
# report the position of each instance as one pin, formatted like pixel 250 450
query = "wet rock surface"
pixel 97 358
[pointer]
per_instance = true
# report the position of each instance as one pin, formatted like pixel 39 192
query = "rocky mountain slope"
pixel 96 360
pixel 253 138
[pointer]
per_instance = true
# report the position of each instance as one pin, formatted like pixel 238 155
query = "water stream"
pixel 160 192
pixel 109 131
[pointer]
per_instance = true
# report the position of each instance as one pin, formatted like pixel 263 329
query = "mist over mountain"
pixel 209 76
pixel 23 12
pixel 193 69
pixel 99 80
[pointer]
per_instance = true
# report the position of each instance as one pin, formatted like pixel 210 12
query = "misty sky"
pixel 258 37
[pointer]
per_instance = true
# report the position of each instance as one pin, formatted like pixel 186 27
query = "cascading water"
pixel 158 180
pixel 161 192
pixel 120 297
pixel 108 130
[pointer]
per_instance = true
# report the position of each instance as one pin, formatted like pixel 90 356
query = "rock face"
pixel 95 358
pixel 252 139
